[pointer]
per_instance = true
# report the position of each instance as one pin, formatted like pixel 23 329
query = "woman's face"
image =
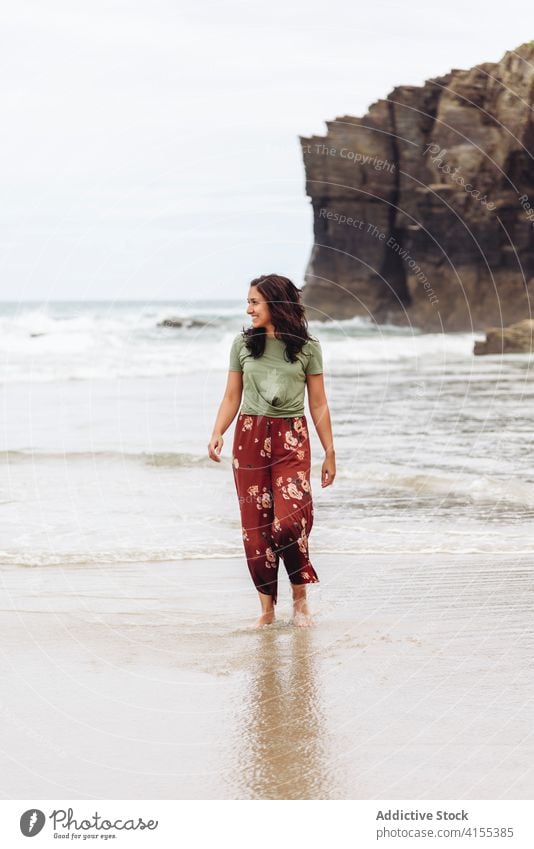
pixel 258 308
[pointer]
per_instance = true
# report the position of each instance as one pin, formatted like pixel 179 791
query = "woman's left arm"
pixel 320 414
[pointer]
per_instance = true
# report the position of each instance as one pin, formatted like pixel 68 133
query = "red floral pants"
pixel 271 462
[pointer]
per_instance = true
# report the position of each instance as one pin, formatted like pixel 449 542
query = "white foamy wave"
pixel 99 341
pixel 164 459
pixel 389 348
pixel 35 558
pixel 475 487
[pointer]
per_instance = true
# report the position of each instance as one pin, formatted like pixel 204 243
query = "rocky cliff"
pixel 424 208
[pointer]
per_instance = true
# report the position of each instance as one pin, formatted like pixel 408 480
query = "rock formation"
pixel 181 322
pixel 516 339
pixel 424 208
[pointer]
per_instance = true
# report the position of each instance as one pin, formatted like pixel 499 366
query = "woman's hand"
pixel 328 471
pixel 215 447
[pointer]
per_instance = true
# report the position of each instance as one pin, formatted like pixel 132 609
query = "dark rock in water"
pixel 516 339
pixel 424 208
pixel 182 322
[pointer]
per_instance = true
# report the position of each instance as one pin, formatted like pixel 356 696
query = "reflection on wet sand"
pixel 281 753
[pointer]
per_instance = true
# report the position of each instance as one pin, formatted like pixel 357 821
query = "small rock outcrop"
pixel 516 339
pixel 181 322
pixel 424 208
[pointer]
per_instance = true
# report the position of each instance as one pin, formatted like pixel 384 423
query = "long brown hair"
pixel 287 316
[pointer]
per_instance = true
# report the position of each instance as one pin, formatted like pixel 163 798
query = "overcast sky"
pixel 150 149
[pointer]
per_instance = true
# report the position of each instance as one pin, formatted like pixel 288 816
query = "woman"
pixel 273 361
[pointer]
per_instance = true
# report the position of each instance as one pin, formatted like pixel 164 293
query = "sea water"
pixel 106 416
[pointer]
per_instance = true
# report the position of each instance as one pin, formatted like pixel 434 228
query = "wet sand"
pixel 149 681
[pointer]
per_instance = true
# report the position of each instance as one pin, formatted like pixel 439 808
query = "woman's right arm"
pixel 227 413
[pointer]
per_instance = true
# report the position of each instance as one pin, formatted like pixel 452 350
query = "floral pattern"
pixel 302 541
pixel 294 438
pixel 263 499
pixel 266 450
pixel 295 487
pixel 275 497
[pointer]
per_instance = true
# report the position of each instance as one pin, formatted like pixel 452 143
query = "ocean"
pixel 106 418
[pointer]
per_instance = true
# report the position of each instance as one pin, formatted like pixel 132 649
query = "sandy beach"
pixel 149 681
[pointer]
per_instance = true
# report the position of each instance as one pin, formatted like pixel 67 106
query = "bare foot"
pixel 301 615
pixel 265 619
pixel 302 620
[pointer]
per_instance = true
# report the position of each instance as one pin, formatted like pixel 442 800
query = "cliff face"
pixel 424 208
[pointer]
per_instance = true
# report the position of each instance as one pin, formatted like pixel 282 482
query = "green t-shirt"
pixel 272 386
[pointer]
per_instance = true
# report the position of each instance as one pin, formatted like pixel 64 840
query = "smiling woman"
pixel 271 364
